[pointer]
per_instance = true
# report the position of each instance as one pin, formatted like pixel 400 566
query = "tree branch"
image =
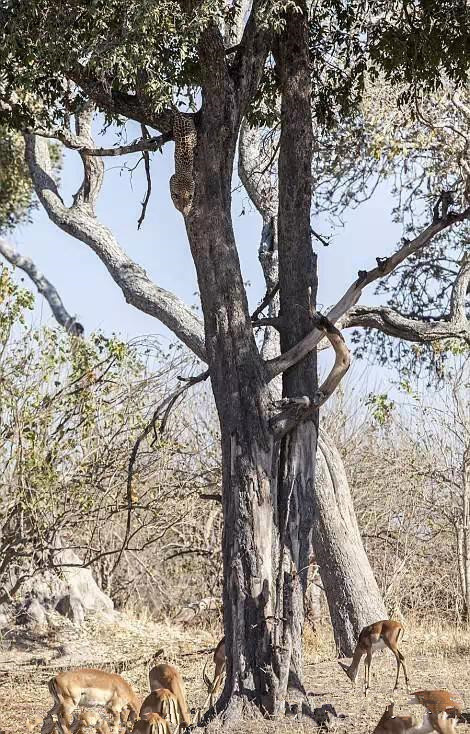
pixel 250 57
pixel 145 202
pixel 45 288
pixel 393 323
pixel 75 143
pixel 134 282
pixel 135 107
pixel 298 409
pixel 350 298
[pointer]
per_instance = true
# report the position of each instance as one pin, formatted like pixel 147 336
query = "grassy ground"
pixel 436 658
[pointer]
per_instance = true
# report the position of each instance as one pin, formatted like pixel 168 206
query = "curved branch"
pixel 385 266
pixel 134 282
pixel 45 288
pixel 393 323
pixel 298 409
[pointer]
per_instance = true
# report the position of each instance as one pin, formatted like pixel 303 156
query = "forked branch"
pixel 385 266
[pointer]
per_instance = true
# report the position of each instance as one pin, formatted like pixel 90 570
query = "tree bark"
pixel 354 599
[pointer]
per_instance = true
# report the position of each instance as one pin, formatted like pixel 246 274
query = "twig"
pixel 266 300
pixel 146 157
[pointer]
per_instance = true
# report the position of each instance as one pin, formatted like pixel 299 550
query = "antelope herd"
pixel 165 711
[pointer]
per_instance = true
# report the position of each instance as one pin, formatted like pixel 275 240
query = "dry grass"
pixel 436 658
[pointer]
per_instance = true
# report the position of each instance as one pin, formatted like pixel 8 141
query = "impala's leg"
pixel 367 663
pixel 116 712
pixel 402 661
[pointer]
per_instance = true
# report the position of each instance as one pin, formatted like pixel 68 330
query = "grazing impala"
pixel 443 707
pixel 166 676
pixel 153 723
pixel 390 724
pixel 377 636
pixel 90 687
pixel 164 702
pixel 219 671
pixel 85 719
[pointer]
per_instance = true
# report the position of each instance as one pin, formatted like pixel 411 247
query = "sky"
pixel 161 246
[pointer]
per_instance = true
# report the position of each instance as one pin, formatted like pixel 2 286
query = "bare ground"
pixel 436 658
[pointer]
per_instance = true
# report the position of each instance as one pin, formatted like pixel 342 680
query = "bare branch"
pixel 73 142
pixel 134 282
pixel 145 136
pixel 341 364
pixel 45 288
pixel 265 302
pixel 393 323
pixel 161 414
pixel 350 298
pixel 250 56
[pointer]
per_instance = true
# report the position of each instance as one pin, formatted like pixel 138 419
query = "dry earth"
pixel 436 658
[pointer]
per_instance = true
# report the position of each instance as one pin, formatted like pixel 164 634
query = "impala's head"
pixel 352 674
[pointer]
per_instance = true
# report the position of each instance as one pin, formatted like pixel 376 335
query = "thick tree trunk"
pixel 353 596
pixel 331 484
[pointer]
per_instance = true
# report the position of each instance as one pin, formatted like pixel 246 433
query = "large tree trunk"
pixel 267 482
pixel 353 596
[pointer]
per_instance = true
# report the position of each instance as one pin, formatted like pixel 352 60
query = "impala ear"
pixel 343 666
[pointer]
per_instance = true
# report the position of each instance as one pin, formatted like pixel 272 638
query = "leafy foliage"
pixel 149 50
pixel 70 413
pixel 15 184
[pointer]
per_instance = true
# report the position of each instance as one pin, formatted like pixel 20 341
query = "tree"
pixel 137 62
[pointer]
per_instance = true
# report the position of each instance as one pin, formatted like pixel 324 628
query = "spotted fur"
pixel 182 181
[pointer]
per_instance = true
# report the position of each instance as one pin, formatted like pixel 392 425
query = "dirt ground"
pixel 436 658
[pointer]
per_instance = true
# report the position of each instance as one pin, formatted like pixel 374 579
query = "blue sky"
pixel 161 246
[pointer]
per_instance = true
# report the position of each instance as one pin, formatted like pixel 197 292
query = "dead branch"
pixel 279 364
pixel 45 288
pixel 145 136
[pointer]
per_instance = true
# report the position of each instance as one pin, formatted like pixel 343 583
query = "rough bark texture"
pixel 298 286
pixel 331 484
pixel 354 599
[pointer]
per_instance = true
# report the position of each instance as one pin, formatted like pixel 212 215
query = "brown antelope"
pixel 166 676
pixel 442 706
pixel 90 687
pixel 377 636
pixel 390 724
pixel 163 702
pixel 219 672
pixel 152 723
pixel 85 719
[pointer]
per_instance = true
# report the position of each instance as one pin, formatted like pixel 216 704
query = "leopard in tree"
pixel 182 182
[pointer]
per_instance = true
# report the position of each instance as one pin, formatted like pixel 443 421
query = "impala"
pixel 84 720
pixel 219 671
pixel 162 701
pixel 166 676
pixel 90 687
pixel 377 636
pixel 442 706
pixel 153 723
pixel 390 724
